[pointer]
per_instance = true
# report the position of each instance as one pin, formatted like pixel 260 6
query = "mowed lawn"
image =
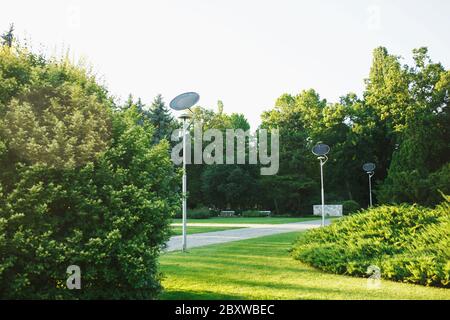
pixel 261 268
pixel 247 220
pixel 176 231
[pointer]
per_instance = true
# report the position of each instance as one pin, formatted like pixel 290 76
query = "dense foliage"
pixel 197 213
pixel 87 182
pixel 81 184
pixel 350 206
pixel 408 243
pixel 221 186
pixel 401 123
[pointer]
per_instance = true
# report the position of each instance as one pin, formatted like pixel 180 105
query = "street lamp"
pixel 369 168
pixel 182 102
pixel 321 150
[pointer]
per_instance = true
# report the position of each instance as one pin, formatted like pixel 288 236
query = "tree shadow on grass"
pixel 197 295
pixel 217 266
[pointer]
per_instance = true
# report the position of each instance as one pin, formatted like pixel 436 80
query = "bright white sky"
pixel 246 53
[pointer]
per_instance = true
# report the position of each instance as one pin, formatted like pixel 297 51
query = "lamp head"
pixel 185 116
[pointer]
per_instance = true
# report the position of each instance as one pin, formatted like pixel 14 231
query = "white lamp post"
pixel 321 150
pixel 185 118
pixel 182 102
pixel 369 168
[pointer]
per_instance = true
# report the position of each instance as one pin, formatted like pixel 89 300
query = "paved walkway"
pixel 293 225
pixel 247 232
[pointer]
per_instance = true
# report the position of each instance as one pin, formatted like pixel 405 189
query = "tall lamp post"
pixel 321 150
pixel 185 119
pixel 182 102
pixel 369 168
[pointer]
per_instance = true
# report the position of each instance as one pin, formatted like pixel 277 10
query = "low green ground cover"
pixel 408 243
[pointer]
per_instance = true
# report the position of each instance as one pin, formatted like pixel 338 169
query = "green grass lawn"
pixel 176 231
pixel 261 268
pixel 258 220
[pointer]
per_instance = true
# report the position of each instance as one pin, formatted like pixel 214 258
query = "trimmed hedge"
pixel 408 242
pixel 254 214
pixel 200 213
pixel 197 213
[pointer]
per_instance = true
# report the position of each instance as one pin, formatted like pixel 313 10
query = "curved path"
pixel 247 232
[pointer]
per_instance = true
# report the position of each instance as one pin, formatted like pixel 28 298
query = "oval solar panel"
pixel 369 167
pixel 184 101
pixel 320 149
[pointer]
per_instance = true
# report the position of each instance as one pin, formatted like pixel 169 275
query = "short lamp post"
pixel 321 150
pixel 369 168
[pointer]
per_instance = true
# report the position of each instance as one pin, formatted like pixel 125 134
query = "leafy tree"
pixel 401 124
pixel 424 142
pixel 296 117
pixel 387 90
pixel 222 186
pixel 228 186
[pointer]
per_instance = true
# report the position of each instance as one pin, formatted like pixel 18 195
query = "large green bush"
pixel 94 193
pixel 52 113
pixel 110 218
pixel 408 242
pixel 350 206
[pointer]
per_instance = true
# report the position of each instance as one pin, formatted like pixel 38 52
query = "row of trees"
pixel 401 123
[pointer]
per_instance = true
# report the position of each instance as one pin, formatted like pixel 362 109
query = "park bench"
pixel 228 213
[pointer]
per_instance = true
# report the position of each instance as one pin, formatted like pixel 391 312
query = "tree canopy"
pixel 400 123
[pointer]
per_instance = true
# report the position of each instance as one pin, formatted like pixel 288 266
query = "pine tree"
pixel 129 103
pixel 8 36
pixel 161 119
pixel 140 106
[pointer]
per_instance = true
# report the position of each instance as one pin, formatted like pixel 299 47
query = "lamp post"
pixel 179 103
pixel 369 168
pixel 322 191
pixel 321 150
pixel 370 174
pixel 184 118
